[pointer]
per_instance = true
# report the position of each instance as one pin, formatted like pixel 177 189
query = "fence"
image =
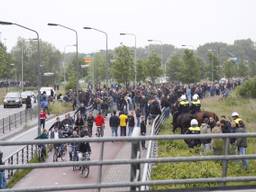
pixel 21 156
pixel 15 120
pixel 101 162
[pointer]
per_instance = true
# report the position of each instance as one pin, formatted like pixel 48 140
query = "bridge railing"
pixel 152 147
pixel 101 162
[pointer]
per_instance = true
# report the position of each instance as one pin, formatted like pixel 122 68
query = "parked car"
pixel 25 94
pixel 13 99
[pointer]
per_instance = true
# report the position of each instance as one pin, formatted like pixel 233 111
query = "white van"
pixel 47 90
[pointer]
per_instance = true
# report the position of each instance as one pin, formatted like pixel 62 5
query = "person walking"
pixel 123 123
pixel 131 123
pixel 114 123
pixel 143 129
pixel 241 143
pixel 43 118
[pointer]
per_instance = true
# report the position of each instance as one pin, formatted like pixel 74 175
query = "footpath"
pixel 66 176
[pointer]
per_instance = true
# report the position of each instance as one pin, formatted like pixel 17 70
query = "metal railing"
pixel 101 162
pixel 14 121
pixel 152 147
pixel 20 157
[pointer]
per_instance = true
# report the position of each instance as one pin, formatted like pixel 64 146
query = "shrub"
pixel 248 89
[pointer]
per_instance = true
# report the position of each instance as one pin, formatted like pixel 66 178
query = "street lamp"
pixel 162 56
pixel 77 64
pixel 38 67
pixel 135 59
pixel 107 59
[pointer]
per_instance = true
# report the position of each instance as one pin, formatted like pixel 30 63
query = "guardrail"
pixel 15 120
pixel 101 162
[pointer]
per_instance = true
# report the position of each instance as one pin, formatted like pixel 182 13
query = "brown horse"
pixel 182 121
pixel 199 116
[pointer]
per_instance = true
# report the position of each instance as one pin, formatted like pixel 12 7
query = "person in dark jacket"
pixel 131 123
pixel 143 130
pixel 138 115
pixel 90 120
pixel 114 123
pixel 241 143
pixel 28 102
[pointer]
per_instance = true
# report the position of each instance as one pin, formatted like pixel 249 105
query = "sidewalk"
pixel 66 176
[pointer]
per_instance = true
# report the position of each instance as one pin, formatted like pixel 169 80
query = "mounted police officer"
pixel 195 104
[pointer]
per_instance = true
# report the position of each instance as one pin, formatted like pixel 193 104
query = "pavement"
pixel 60 176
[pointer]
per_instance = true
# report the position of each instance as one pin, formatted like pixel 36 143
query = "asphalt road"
pixel 5 112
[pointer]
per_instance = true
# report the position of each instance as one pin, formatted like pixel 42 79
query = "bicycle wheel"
pixel 85 171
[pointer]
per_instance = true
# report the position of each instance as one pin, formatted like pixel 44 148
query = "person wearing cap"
pixel 2 173
pixel 195 104
pixel 236 119
pixel 194 129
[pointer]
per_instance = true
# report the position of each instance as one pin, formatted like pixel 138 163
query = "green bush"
pixel 248 89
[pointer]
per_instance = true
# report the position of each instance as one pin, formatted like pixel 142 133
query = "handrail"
pixel 154 130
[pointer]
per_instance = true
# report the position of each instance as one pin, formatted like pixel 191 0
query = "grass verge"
pixel 58 107
pixel 19 174
pixel 206 169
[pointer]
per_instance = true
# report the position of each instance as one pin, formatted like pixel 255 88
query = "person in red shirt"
pixel 42 117
pixel 100 124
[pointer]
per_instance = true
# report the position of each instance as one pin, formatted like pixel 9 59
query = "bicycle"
pixel 41 153
pixel 85 169
pixel 58 153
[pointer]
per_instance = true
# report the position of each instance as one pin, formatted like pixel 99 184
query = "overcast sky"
pixel 177 22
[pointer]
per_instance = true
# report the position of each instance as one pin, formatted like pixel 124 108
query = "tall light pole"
pixel 77 60
pixel 107 58
pixel 162 54
pixel 135 57
pixel 38 67
pixel 63 63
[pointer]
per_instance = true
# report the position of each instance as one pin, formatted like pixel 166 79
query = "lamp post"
pixel 107 58
pixel 77 64
pixel 38 67
pixel 162 56
pixel 135 59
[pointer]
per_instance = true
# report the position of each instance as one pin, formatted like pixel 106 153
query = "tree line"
pixel 210 61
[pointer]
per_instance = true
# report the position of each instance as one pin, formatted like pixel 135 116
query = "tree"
pixel 214 65
pixel 174 68
pixel 50 59
pixel 141 70
pixel 122 67
pixel 5 61
pixel 229 69
pixel 153 66
pixel 191 68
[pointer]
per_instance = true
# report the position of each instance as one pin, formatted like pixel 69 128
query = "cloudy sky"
pixel 177 22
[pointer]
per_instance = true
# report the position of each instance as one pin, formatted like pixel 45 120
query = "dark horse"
pixel 182 121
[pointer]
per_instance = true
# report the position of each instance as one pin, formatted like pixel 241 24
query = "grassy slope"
pixel 205 169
